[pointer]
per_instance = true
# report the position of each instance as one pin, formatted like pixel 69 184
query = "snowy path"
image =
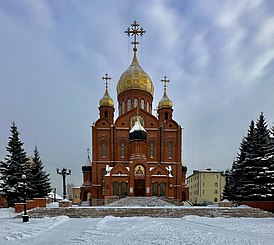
pixel 137 230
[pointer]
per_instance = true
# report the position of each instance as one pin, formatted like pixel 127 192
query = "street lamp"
pixel 64 172
pixel 25 215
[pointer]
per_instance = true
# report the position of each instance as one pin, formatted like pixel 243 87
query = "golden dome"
pixel 106 100
pixel 135 78
pixel 165 102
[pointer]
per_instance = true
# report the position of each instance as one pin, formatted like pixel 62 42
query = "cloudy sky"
pixel 218 55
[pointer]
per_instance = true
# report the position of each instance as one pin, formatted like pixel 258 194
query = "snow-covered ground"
pixel 135 230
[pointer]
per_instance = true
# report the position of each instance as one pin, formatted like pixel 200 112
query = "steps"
pixel 159 211
pixel 140 202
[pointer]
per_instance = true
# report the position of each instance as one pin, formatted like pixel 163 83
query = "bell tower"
pixel 106 103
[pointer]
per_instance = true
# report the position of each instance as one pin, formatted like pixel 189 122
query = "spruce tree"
pixel 12 169
pixel 41 185
pixel 251 175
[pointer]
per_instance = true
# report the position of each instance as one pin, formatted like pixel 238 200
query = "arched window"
pixel 215 191
pixel 148 107
pixel 124 189
pixel 115 189
pixel 152 149
pixel 169 149
pixel 142 104
pixel 106 114
pixel 135 102
pixel 215 199
pixel 216 184
pixel 128 104
pixel 103 149
pixel 159 173
pixel 162 189
pixel 123 107
pixel 122 149
pixel 166 116
pixel 155 189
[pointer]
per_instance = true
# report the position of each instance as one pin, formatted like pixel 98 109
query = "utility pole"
pixel 64 172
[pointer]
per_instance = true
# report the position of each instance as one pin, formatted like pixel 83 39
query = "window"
pixel 152 149
pixel 162 189
pixel 103 149
pixel 203 191
pixel 106 114
pixel 166 116
pixel 142 104
pixel 203 183
pixel 216 192
pixel 123 107
pixel 215 199
pixel 122 149
pixel 216 184
pixel 155 189
pixel 135 103
pixel 169 150
pixel 115 189
pixel 148 107
pixel 159 173
pixel 128 104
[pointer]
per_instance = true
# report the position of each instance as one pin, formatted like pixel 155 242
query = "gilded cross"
pixel 106 78
pixel 135 31
pixel 165 81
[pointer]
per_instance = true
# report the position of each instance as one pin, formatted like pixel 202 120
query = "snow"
pixel 135 230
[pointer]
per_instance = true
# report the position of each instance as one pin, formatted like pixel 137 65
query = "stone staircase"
pixel 140 202
pixel 167 211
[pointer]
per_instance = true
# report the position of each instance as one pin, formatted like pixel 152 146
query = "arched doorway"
pixel 139 181
pixel 155 189
pixel 162 189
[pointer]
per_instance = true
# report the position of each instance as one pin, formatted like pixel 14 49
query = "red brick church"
pixel 136 154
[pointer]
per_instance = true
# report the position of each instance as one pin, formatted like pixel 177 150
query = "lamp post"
pixel 64 172
pixel 25 215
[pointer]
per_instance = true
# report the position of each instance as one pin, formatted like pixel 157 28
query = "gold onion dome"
pixel 106 100
pixel 135 78
pixel 165 102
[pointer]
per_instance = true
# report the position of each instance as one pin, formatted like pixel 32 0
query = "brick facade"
pixel 143 167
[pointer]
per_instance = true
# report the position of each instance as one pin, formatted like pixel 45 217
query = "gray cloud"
pixel 218 56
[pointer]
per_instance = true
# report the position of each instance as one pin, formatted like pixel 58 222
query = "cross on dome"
pixel 106 78
pixel 135 31
pixel 165 81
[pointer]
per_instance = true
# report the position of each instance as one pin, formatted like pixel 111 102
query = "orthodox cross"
pixel 106 78
pixel 165 81
pixel 88 150
pixel 135 31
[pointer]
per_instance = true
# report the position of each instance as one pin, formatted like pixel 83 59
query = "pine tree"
pixel 40 182
pixel 12 169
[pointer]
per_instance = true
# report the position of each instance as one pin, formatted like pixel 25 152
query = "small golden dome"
pixel 135 78
pixel 106 100
pixel 165 102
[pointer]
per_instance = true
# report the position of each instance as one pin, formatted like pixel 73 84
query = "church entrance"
pixel 139 187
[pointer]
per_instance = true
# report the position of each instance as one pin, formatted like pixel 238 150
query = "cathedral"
pixel 136 154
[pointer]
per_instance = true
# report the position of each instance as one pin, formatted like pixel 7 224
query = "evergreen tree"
pixel 40 182
pixel 12 169
pixel 251 175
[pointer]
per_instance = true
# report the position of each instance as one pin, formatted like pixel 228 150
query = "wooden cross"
pixel 165 81
pixel 135 31
pixel 106 78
